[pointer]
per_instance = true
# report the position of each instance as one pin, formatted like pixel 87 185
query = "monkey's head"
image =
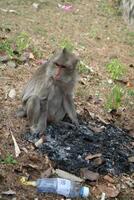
pixel 65 66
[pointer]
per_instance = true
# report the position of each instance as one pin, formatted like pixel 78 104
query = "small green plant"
pixel 130 92
pixel 106 8
pixel 115 68
pixel 8 160
pixel 22 42
pixel 19 43
pixel 6 46
pixel 93 32
pixel 115 97
pixel 83 68
pixel 36 51
pixel 65 43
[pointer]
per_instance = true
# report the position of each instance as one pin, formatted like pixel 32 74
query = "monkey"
pixel 48 95
pixel 128 10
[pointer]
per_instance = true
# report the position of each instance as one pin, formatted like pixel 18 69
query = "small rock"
pixel 12 93
pixel 110 81
pixel 35 6
pixel 89 175
pixel 11 64
pixel 131 159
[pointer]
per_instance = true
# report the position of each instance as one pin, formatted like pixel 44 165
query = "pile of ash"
pixel 68 147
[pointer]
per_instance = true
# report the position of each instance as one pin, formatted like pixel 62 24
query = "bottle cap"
pixel 84 192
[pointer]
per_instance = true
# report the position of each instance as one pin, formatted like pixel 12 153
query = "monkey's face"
pixel 65 66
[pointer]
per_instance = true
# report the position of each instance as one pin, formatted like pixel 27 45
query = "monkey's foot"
pixel 67 124
pixel 40 141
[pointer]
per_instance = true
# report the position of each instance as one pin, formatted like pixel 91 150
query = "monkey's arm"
pixel 70 108
pixel 42 122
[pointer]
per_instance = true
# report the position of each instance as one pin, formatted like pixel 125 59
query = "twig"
pixel 16 147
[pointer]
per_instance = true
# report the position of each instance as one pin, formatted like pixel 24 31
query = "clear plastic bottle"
pixel 63 187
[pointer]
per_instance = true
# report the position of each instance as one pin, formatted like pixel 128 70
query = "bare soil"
pixel 98 34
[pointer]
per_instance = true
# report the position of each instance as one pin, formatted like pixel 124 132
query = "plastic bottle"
pixel 63 187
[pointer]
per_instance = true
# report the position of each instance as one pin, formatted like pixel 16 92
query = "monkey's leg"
pixel 33 109
pixel 42 122
pixel 70 108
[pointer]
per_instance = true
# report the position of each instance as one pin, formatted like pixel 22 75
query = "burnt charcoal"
pixel 68 146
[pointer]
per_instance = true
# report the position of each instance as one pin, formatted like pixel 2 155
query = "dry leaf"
pixel 33 166
pixel 110 190
pixel 108 178
pixel 31 56
pixel 89 175
pixel 97 129
pixel 90 156
pixel 129 84
pixel 47 173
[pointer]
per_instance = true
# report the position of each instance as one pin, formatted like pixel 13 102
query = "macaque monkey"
pixel 48 96
pixel 128 10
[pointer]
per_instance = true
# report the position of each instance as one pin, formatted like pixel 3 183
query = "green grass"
pixel 6 47
pixel 114 99
pixel 83 68
pixel 130 92
pixel 19 44
pixel 115 68
pixel 66 43
pixel 22 42
pixel 8 160
pixel 93 32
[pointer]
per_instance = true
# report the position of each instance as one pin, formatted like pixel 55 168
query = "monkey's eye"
pixel 61 66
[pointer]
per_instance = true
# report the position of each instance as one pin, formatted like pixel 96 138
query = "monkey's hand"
pixel 76 123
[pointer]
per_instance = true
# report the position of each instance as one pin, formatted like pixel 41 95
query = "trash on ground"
pixel 59 186
pixel 65 7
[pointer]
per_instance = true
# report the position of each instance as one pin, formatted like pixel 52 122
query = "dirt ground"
pixel 98 34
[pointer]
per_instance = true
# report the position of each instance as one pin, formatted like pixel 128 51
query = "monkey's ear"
pixel 64 50
pixel 77 61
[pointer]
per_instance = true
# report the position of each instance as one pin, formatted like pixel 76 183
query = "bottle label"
pixel 63 187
